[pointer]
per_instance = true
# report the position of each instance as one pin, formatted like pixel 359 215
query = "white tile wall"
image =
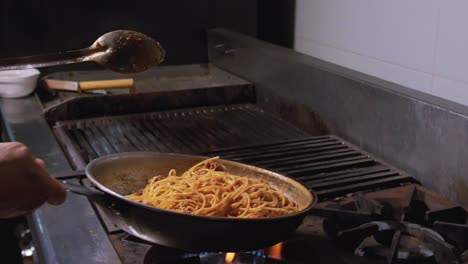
pixel 452 43
pixel 372 66
pixel 451 90
pixel 421 44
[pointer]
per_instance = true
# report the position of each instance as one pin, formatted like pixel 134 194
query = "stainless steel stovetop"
pixel 318 96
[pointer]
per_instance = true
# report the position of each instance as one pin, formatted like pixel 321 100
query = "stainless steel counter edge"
pixel 58 235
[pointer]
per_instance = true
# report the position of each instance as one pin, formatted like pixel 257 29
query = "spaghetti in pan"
pixel 207 189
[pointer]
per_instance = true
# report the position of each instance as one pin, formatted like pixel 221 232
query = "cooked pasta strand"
pixel 206 189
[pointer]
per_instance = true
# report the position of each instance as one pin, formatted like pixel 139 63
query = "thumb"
pixel 56 193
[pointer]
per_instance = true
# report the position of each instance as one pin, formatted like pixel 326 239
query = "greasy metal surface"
pixel 124 173
pixel 111 105
pixel 58 234
pixel 326 164
pixel 162 78
pixel 192 130
pixel 421 134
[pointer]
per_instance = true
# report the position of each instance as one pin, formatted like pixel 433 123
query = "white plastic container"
pixel 18 83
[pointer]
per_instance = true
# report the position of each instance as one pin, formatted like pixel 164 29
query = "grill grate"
pixel 190 131
pixel 326 164
pixel 244 133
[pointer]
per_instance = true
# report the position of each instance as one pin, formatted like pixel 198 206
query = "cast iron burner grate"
pixel 326 164
pixel 408 224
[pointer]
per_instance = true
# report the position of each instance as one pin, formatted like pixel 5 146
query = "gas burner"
pixel 308 245
pixel 160 255
pixel 155 257
pixel 403 224
pixel 294 251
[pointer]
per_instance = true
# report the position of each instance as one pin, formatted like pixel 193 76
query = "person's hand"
pixel 24 182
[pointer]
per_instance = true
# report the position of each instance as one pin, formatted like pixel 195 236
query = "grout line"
pixel 363 55
pixel 369 58
pixel 434 55
pixel 433 74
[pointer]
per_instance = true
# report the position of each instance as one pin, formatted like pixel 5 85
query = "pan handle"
pixel 92 194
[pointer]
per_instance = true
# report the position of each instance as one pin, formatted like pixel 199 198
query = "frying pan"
pixel 117 175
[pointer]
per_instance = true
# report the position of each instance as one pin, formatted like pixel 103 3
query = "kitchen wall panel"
pixel 421 44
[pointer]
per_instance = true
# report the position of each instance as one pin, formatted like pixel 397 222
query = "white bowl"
pixel 18 83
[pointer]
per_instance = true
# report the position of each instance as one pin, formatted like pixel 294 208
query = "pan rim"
pixel 118 196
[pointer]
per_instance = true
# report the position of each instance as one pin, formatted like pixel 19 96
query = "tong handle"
pixel 51 59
